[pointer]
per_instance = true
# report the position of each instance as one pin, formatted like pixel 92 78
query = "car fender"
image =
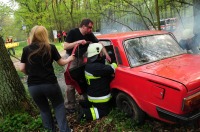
pixel 116 90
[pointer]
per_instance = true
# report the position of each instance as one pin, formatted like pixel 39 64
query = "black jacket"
pixel 100 86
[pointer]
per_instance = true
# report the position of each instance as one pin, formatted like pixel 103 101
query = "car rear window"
pixel 151 48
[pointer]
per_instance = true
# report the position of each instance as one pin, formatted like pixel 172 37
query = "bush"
pixel 21 122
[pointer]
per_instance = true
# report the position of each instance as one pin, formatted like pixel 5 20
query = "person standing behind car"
pixel 64 34
pixel 9 40
pixel 98 75
pixel 36 62
pixel 82 36
pixel 59 36
pixel 190 42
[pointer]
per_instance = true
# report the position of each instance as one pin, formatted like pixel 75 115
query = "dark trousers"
pixel 41 94
pixel 60 40
pixel 64 38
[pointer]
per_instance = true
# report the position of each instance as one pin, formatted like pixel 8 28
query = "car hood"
pixel 184 69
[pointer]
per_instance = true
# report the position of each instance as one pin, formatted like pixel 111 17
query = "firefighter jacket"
pixel 98 77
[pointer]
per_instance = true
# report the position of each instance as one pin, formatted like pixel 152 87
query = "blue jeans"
pixel 40 94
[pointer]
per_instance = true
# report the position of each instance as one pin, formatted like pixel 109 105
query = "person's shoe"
pixel 70 111
pixel 80 115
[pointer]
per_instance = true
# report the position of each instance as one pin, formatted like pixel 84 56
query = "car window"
pixel 105 42
pixel 151 48
pixel 109 48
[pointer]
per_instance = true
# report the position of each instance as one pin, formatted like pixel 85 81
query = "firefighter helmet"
pixel 93 51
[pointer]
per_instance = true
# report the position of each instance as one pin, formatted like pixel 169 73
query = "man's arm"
pixel 106 53
pixel 71 45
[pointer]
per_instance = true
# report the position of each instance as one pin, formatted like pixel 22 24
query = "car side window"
pixel 109 47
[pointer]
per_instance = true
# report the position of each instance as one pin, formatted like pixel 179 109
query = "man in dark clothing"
pixel 186 41
pixel 81 36
pixel 190 42
pixel 59 36
pixel 98 76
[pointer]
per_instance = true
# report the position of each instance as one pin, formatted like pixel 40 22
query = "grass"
pixel 18 49
pixel 59 46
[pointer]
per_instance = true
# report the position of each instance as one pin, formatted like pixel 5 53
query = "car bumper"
pixel 178 118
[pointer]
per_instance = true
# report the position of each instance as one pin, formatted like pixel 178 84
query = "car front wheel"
pixel 129 107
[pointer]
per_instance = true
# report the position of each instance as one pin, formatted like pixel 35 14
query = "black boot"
pixel 80 114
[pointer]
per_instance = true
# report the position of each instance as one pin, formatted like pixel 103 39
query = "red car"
pixel 154 76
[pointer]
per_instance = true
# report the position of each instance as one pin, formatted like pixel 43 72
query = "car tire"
pixel 125 103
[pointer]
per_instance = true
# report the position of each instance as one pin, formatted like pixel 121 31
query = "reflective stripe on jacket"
pixel 101 99
pixel 89 76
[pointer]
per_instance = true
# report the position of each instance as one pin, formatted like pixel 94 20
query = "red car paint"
pixel 164 83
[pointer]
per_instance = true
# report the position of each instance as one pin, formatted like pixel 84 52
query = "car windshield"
pixel 151 48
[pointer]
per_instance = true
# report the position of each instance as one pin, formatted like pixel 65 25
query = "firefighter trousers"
pixel 93 111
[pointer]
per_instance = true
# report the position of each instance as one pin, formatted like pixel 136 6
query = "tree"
pixel 4 13
pixel 157 14
pixel 13 95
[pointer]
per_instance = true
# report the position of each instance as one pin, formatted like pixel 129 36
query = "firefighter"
pixel 98 75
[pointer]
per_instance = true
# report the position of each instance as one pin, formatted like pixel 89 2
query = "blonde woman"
pixel 36 62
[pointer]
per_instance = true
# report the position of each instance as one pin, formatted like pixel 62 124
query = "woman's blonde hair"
pixel 39 36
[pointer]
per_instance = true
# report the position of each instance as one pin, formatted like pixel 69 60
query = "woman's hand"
pixel 63 62
pixel 71 57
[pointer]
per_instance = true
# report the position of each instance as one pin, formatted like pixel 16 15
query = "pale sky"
pixel 4 1
pixel 9 3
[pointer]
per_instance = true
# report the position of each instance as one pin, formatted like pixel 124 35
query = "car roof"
pixel 132 34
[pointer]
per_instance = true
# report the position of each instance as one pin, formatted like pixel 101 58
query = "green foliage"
pixel 20 74
pixel 58 69
pixel 118 121
pixel 22 44
pixel 5 11
pixel 67 14
pixel 59 46
pixel 18 49
pixel 21 122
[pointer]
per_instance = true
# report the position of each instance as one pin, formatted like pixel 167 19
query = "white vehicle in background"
pixel 96 33
pixel 168 24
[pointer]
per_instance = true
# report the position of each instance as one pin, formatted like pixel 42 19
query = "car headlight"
pixel 191 102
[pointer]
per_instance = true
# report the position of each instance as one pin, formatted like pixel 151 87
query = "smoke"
pixel 124 24
pixel 184 23
pixel 188 28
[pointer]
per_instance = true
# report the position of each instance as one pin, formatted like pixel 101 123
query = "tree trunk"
pixel 165 7
pixel 196 12
pixel 12 95
pixel 157 14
